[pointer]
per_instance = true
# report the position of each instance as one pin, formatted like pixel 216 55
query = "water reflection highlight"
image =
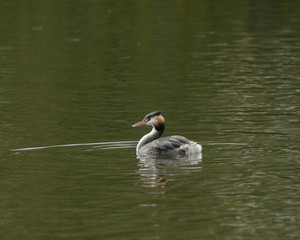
pixel 156 171
pixel 99 145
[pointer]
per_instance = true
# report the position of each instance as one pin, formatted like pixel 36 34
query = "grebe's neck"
pixel 156 132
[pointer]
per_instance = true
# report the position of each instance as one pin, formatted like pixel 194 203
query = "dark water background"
pixel 224 73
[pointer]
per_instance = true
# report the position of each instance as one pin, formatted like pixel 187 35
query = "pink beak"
pixel 139 124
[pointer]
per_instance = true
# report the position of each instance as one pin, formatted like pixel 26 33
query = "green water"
pixel 224 73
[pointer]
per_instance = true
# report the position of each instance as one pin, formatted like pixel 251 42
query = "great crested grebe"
pixel 151 143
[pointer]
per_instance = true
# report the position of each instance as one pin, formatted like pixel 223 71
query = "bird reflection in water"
pixel 157 171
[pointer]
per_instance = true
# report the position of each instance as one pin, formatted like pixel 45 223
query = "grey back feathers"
pixel 165 144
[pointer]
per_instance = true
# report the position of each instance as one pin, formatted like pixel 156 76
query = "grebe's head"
pixel 154 119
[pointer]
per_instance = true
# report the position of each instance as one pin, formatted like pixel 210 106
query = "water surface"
pixel 74 77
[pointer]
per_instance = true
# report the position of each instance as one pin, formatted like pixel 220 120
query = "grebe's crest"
pixel 151 115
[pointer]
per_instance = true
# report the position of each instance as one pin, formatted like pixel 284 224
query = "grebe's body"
pixel 152 144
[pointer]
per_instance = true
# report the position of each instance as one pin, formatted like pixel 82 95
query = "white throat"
pixel 154 134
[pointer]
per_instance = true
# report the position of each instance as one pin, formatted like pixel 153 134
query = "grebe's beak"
pixel 139 124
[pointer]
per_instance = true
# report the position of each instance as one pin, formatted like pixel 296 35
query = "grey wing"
pixel 168 143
